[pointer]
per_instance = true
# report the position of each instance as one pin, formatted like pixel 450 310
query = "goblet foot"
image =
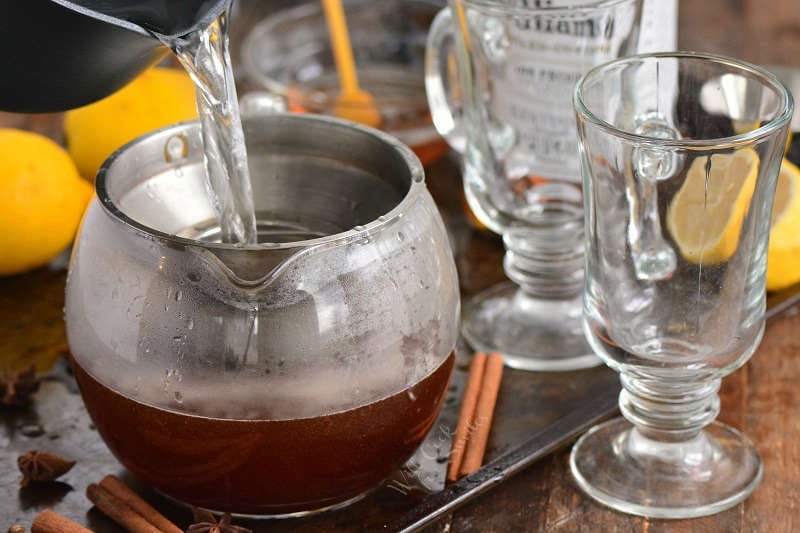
pixel 621 468
pixel 531 333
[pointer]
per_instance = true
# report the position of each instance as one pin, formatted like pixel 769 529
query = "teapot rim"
pixel 416 187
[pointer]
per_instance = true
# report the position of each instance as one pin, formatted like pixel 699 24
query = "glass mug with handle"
pixel 680 155
pixel 499 75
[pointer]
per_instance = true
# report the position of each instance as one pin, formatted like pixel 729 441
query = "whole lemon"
pixel 156 98
pixel 42 199
pixel 783 257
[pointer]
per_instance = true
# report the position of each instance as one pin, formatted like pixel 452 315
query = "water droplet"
pixel 178 295
pixel 382 218
pixel 359 228
pixel 190 324
pixel 178 396
pixel 401 236
pixel 411 395
pixel 193 277
pixel 32 430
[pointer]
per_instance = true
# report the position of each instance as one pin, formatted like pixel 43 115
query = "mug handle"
pixel 442 80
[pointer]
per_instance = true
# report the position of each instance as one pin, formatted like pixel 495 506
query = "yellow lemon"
pixel 705 216
pixel 156 98
pixel 42 199
pixel 783 258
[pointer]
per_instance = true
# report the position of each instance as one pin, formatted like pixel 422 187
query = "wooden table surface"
pixel 762 399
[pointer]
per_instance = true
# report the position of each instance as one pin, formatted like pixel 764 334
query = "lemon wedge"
pixel 705 215
pixel 783 258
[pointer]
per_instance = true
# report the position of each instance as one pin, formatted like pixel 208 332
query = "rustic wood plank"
pixel 771 421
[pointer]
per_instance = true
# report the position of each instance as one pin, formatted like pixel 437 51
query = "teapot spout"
pixel 251 269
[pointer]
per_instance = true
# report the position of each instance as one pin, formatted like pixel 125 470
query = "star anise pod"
pixel 204 522
pixel 16 387
pixel 37 466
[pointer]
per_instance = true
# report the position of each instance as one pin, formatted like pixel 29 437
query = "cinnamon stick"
pixel 118 511
pixel 121 491
pixel 466 414
pixel 484 411
pixel 49 521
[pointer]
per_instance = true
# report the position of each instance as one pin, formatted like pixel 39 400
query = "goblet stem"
pixel 546 262
pixel 536 322
pixel 668 411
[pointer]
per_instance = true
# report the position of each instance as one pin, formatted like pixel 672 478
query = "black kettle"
pixel 59 55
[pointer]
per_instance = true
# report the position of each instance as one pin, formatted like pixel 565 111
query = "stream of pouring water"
pixel 204 54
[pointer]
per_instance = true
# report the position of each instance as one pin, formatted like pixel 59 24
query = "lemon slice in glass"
pixel 705 216
pixel 783 258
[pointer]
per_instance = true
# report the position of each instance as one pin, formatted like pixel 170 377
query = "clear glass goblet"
pixel 680 156
pixel 499 75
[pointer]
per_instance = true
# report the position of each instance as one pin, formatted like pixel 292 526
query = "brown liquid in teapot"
pixel 264 466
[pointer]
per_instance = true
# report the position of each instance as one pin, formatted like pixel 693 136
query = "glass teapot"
pixel 59 55
pixel 272 379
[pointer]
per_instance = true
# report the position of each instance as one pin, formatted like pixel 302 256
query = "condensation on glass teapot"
pixel 307 367
pixel 344 321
